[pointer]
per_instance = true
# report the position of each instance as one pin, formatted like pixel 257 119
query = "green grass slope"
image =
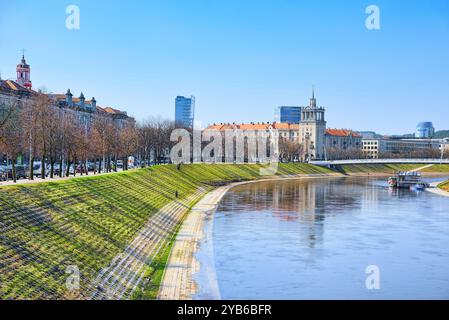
pixel 437 168
pixel 389 168
pixel 444 186
pixel 87 221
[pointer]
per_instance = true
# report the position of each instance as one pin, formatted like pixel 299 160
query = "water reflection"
pixel 301 239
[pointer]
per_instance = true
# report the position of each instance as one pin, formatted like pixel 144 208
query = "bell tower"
pixel 23 73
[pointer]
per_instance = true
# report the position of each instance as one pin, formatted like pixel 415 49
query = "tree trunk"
pixel 60 167
pixel 31 177
pixel 87 168
pixel 67 170
pixel 14 175
pixel 43 167
pixel 52 167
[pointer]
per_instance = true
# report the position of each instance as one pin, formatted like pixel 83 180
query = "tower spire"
pixel 23 72
pixel 312 103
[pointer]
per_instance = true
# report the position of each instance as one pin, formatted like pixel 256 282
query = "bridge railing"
pixel 379 161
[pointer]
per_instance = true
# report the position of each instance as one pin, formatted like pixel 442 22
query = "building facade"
pixel 312 129
pixel 309 132
pixel 185 111
pixel 86 111
pixel 375 148
pixel 425 130
pixel 343 139
pixel 20 93
pixel 288 114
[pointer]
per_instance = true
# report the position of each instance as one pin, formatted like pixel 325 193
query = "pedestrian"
pixel 176 193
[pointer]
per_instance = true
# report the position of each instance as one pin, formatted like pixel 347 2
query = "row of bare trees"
pixel 65 143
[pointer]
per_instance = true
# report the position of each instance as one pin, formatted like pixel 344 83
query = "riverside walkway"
pixel 177 282
pixel 125 272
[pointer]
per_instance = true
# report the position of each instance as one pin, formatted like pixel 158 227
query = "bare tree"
pixel 128 143
pixel 11 134
pixel 289 150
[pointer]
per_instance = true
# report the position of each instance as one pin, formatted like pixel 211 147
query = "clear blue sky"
pixel 241 59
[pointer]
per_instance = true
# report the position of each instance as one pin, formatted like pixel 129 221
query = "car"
pixel 3 175
pixel 37 171
pixel 6 172
pixel 56 169
pixel 90 166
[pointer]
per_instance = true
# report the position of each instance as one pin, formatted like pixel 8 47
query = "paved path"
pixel 125 272
pixel 421 168
pixel 434 189
pixel 177 283
pixel 55 178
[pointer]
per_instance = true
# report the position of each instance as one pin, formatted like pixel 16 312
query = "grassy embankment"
pixel 444 186
pixel 389 168
pixel 87 221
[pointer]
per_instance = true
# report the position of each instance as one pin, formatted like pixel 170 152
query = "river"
pixel 330 238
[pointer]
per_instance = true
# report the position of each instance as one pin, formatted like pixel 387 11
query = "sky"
pixel 241 59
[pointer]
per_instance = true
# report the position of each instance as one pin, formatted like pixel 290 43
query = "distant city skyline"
pixel 139 57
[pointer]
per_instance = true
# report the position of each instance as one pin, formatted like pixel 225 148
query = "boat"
pixel 419 186
pixel 407 180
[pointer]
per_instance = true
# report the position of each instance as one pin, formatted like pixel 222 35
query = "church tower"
pixel 23 73
pixel 312 129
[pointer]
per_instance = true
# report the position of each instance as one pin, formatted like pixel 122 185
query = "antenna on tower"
pixel 313 91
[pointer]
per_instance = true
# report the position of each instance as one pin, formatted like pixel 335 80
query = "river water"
pixel 335 238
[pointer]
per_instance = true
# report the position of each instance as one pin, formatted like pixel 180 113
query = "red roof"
pixel 342 133
pixel 254 126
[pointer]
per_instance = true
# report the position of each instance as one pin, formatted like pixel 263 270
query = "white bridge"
pixel 325 163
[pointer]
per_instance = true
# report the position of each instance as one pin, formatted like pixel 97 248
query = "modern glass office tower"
pixel 425 130
pixel 185 111
pixel 288 114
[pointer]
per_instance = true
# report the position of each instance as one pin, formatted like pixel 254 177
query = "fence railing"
pixel 379 161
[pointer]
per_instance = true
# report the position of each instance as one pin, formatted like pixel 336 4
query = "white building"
pixel 378 147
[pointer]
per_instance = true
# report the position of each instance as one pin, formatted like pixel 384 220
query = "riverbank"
pixel 440 188
pixel 93 222
pixel 389 169
pixel 285 240
pixel 177 282
pixel 96 222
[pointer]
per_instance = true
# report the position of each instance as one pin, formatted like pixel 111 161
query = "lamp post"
pixel 442 153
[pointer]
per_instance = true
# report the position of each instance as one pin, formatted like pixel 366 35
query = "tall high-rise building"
pixel 185 111
pixel 288 114
pixel 23 73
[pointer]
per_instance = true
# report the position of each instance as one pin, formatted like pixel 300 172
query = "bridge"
pixel 330 163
